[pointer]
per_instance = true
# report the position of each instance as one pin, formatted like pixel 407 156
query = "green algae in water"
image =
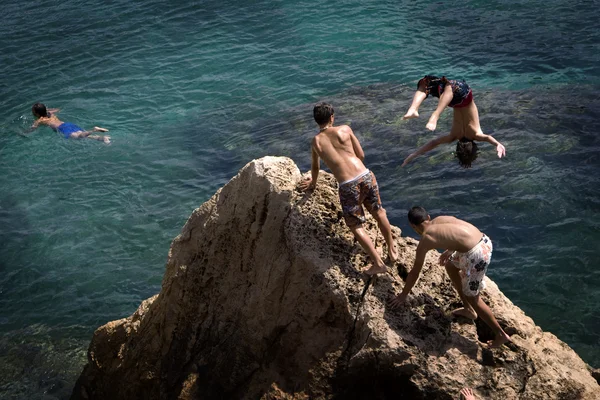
pixel 34 361
pixel 559 143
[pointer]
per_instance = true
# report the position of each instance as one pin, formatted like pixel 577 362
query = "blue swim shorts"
pixel 67 128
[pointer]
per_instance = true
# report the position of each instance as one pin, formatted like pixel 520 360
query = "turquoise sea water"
pixel 193 91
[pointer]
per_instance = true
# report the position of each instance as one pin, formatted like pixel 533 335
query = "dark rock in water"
pixel 34 363
pixel 596 375
pixel 263 298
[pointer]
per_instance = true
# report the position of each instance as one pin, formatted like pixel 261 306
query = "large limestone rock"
pixel 263 297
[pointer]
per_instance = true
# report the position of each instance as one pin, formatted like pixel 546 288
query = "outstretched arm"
pixel 445 99
pixel 422 249
pixel 311 182
pixel 490 139
pixel 53 110
pixel 432 144
pixel 414 273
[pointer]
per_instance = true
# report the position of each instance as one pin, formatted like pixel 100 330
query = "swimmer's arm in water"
pixel 53 110
pixel 481 137
pixel 358 151
pixel 33 126
pixel 432 144
pixel 37 123
pixel 311 183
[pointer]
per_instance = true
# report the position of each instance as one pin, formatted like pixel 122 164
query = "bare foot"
pixel 463 312
pixel 467 394
pixel 376 270
pixel 106 139
pixel 98 129
pixel 432 124
pixel 498 341
pixel 411 114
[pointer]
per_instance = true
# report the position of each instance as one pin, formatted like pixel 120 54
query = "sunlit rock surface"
pixel 263 297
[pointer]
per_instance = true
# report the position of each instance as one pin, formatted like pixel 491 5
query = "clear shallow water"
pixel 192 92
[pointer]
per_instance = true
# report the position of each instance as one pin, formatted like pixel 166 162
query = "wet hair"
pixel 417 215
pixel 39 109
pixel 466 152
pixel 322 113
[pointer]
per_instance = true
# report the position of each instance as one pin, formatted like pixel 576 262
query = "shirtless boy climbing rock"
pixel 343 155
pixel 467 256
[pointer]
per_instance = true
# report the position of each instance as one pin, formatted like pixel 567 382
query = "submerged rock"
pixel 263 298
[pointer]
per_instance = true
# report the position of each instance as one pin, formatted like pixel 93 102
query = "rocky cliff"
pixel 263 298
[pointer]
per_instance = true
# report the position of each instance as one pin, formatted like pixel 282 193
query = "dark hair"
pixel 427 79
pixel 466 152
pixel 417 215
pixel 431 81
pixel 322 113
pixel 39 109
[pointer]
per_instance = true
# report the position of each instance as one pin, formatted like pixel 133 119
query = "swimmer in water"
pixel 69 130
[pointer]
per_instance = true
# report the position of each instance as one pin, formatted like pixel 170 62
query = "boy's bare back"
pixel 341 151
pixel 453 233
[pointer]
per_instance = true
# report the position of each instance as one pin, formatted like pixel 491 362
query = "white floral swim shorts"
pixel 473 265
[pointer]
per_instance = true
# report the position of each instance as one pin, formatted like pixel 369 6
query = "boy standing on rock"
pixel 466 259
pixel 344 156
